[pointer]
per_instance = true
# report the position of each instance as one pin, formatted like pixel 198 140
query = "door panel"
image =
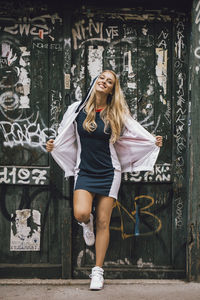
pixel 148 226
pixel 143 228
pixel 31 87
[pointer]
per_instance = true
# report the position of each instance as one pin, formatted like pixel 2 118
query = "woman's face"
pixel 105 83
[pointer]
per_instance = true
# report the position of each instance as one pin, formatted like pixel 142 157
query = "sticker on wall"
pixel 25 230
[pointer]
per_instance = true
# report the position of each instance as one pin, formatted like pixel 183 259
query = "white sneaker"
pixel 88 232
pixel 97 279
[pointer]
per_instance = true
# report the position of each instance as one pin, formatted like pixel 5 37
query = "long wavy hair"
pixel 113 115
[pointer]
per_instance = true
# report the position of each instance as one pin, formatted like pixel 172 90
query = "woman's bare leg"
pixel 103 215
pixel 82 203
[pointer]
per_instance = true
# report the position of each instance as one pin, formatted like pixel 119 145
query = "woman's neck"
pixel 101 101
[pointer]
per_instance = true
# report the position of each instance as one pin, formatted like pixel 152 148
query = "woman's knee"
pixel 102 223
pixel 82 215
pixel 82 204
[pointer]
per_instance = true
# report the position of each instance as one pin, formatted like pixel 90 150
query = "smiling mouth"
pixel 102 86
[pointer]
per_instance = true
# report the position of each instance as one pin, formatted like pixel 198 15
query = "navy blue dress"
pixel 97 169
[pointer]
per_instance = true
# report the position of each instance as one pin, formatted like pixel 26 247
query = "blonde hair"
pixel 113 115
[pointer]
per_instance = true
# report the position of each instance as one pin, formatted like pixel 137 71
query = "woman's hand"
pixel 50 145
pixel 159 141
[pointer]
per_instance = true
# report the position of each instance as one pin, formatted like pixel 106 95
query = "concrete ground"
pixel 34 289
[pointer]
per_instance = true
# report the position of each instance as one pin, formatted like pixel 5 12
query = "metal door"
pixel 149 54
pixel 31 86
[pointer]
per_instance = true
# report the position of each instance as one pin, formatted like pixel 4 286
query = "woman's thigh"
pixel 82 203
pixel 104 210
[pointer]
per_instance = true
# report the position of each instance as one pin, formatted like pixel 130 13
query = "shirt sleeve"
pixel 65 146
pixel 136 148
pixel 67 115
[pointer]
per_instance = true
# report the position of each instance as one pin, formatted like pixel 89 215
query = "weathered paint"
pixel 161 71
pixel 180 61
pixel 95 61
pixel 31 101
pixel 24 175
pixel 193 255
pixel 146 216
pixel 25 230
pixel 53 58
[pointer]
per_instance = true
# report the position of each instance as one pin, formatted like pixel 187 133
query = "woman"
pixel 97 141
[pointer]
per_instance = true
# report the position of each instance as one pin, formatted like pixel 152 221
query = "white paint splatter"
pixel 95 61
pixel 5 49
pixel 132 85
pixel 197 70
pixel 161 68
pixel 144 30
pixel 150 90
pixel 130 68
pixel 11 58
pixel 142 264
pixel 163 100
pixel 78 93
pixel 82 72
pixel 24 102
pixel 113 64
pixel 80 256
pixel 67 42
pixel 118 262
pixel 51 37
pixel 72 69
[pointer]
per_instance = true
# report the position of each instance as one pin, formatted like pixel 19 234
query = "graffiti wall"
pixel 193 253
pixel 146 216
pixel 29 112
pixel 31 87
pixel 130 49
pixel 44 54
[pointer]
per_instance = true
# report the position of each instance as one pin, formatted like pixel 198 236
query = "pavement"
pixel 50 289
